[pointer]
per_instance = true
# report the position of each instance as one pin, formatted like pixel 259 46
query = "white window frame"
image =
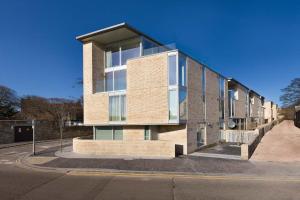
pixel 174 87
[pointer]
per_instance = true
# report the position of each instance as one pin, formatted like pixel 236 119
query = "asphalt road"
pixel 20 183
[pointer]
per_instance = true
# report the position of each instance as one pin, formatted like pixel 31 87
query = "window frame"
pixel 117 94
pixel 174 87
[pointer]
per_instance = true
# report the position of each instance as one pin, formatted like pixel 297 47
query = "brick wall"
pixel 147 90
pixel 133 148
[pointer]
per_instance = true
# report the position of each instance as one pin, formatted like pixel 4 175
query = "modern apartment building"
pixel 246 107
pixel 145 99
pixel 270 111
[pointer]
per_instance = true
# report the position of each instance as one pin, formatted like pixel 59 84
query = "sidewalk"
pixel 49 159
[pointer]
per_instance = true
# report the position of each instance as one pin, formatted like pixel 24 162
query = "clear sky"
pixel 256 42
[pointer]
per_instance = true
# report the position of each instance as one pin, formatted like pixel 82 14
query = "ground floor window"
pixel 109 133
pixel 147 134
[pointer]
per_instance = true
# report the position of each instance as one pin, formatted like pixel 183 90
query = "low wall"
pixel 248 149
pixel 44 130
pixel 238 136
pixel 147 148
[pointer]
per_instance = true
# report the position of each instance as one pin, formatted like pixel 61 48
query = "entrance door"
pixel 201 136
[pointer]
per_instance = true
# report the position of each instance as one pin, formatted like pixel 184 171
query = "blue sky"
pixel 256 42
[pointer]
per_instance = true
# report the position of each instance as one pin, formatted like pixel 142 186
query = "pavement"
pixel 281 144
pixel 23 182
pixel 221 150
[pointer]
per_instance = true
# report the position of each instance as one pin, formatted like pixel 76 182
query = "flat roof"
pixel 124 30
pixel 250 90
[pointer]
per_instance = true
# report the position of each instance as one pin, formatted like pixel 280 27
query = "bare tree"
pixel 291 94
pixel 62 111
pixel 9 102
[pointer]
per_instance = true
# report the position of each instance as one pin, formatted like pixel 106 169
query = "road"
pixel 20 183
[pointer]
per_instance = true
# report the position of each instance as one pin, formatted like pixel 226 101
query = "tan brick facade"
pixel 212 107
pixel 240 104
pixel 147 90
pixel 147 103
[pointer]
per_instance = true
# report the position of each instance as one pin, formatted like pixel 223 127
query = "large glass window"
pixel 221 101
pixel 129 51
pixel 120 80
pixel 172 65
pixel 231 103
pixel 109 81
pixel 115 80
pixel 112 57
pixel 108 133
pixel 182 70
pixel 173 104
pixel 117 108
pixel 103 133
pixel 182 88
pixel 182 103
pixel 117 54
pixel 149 47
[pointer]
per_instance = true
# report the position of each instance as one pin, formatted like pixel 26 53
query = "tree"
pixel 35 107
pixel 291 94
pixel 64 110
pixel 9 102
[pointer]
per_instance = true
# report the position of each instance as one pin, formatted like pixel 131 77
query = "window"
pixel 117 108
pixel 120 80
pixel 182 103
pixel 129 51
pixel 182 88
pixel 221 101
pixel 173 105
pixel 109 81
pixel 147 134
pixel 172 65
pixel 173 87
pixel 149 47
pixel 108 133
pixel 115 80
pixel 112 57
pixel 117 54
pixel 182 70
pixel 231 103
pixel 236 95
pixel 117 133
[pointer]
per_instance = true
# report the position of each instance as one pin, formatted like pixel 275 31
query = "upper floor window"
pixel 172 65
pixel 117 107
pixel 117 54
pixel 115 80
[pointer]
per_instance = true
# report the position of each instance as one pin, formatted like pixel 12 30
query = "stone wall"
pixel 132 148
pixel 248 149
pixel 44 130
pixel 7 132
